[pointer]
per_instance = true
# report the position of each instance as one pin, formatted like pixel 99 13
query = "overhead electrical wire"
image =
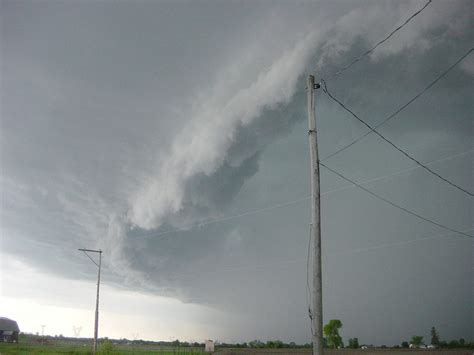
pixel 326 158
pixel 402 242
pixel 358 250
pixel 399 172
pixel 288 203
pixel 394 204
pixel 195 273
pixel 404 106
pixel 351 181
pixel 325 89
pixel 359 58
pixel 217 220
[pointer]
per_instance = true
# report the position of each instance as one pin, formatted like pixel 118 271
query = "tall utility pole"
pixel 96 322
pixel 316 294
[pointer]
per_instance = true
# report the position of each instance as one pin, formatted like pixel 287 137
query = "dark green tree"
pixel 417 340
pixel 405 344
pixel 443 344
pixel 353 343
pixel 256 344
pixel 274 344
pixel 434 336
pixel 331 330
pixel 453 344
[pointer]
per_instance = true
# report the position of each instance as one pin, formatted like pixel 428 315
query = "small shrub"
pixel 106 348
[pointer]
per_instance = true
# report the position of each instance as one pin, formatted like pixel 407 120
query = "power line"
pixel 399 172
pixel 288 203
pixel 359 58
pixel 402 242
pixel 195 273
pixel 394 204
pixel 401 108
pixel 325 89
pixel 224 218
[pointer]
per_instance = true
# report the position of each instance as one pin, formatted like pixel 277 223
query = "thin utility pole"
pixel 42 333
pixel 316 294
pixel 96 322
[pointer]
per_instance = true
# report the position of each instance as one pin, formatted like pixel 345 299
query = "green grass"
pixel 27 349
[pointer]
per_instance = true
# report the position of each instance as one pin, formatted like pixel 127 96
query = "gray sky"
pixel 124 125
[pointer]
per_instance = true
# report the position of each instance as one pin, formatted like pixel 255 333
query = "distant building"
pixel 209 346
pixel 9 330
pixel 421 346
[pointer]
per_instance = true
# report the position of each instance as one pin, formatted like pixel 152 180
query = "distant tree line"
pixel 435 342
pixel 332 339
pixel 417 341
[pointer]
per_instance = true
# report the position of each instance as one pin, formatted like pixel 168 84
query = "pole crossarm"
pixel 91 250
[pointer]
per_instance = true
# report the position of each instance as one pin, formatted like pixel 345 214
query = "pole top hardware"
pixel 90 250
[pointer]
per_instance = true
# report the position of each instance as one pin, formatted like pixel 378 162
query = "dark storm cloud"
pixel 120 122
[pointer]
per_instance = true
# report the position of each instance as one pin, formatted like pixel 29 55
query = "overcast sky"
pixel 173 136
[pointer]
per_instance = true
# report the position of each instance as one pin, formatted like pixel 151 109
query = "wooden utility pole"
pixel 316 294
pixel 96 321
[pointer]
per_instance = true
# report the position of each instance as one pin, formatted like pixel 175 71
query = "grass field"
pixel 344 352
pixel 27 349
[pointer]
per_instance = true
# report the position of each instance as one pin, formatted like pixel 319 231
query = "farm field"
pixel 345 352
pixel 27 349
